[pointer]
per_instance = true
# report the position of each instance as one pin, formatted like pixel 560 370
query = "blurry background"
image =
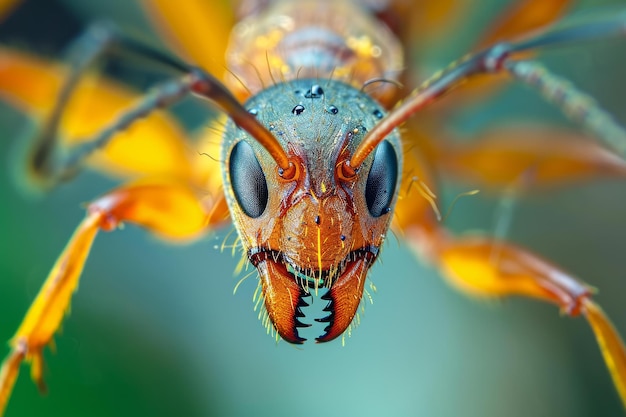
pixel 155 329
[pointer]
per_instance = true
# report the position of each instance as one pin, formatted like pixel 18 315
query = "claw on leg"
pixel 8 375
pixel 47 311
pixel 168 208
pixel 611 345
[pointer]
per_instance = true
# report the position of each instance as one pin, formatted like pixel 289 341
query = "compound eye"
pixel 381 180
pixel 247 179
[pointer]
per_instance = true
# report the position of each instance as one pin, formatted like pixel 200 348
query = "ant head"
pixel 315 227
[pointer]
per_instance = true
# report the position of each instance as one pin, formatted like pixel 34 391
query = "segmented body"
pixel 308 68
pixel 287 40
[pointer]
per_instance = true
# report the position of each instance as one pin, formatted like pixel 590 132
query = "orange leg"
pixel 491 267
pixel 170 209
pixel 488 267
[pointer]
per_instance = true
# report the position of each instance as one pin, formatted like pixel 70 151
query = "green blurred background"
pixel 155 329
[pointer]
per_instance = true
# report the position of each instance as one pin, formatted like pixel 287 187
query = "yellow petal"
pixel 155 145
pixel 198 32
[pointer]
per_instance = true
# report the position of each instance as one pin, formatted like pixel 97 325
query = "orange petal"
pixel 6 7
pixel 547 156
pixel 198 32
pixel 426 22
pixel 522 17
pixel 154 145
pixel 519 19
pixel 28 83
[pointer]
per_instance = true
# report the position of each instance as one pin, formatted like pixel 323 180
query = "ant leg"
pixel 101 40
pixel 489 267
pixel 492 267
pixel 574 103
pixel 499 59
pixel 196 82
pixel 94 43
pixel 31 85
pixel 171 209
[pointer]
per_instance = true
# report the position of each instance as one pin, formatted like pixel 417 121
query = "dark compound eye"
pixel 381 180
pixel 247 179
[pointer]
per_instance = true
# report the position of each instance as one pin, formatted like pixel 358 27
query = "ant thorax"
pixel 325 39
